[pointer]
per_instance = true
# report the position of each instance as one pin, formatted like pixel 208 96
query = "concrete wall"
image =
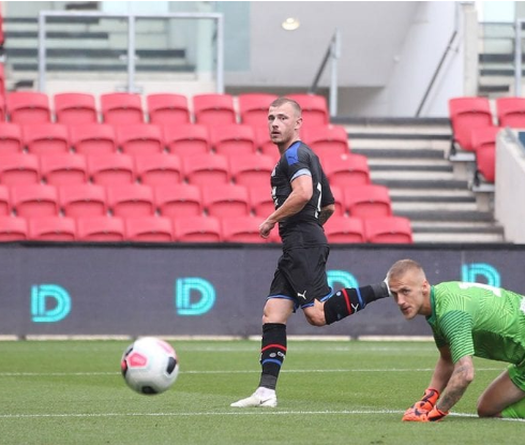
pixel 389 53
pixel 510 174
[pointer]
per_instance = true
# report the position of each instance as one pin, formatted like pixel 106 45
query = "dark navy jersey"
pixel 302 229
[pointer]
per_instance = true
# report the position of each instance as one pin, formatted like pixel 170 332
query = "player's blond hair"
pixel 402 267
pixel 285 100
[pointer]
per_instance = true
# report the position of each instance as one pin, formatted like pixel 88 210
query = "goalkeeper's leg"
pixel 505 396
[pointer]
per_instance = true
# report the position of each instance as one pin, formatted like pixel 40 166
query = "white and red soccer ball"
pixel 149 365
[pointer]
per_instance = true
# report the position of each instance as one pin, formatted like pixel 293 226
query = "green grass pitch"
pixel 346 392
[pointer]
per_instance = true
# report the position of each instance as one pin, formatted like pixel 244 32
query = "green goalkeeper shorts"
pixel 517 374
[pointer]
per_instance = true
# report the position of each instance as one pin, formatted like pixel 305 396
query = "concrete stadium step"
pixel 461 238
pixel 410 164
pixel 409 156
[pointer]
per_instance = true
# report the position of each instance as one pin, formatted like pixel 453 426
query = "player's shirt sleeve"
pixel 456 332
pixel 296 162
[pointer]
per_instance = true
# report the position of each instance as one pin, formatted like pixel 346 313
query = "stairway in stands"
pixel 409 156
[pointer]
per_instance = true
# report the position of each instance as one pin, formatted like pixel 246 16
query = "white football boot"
pixel 262 397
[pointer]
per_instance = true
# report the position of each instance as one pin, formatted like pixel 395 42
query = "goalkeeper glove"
pixel 427 402
pixel 414 415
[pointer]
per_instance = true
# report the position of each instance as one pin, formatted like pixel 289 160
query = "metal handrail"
pixel 441 62
pixel 333 53
pixel 217 17
pixel 517 58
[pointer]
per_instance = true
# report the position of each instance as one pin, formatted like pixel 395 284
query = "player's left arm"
pixel 327 200
pixel 326 213
pixel 302 191
pixel 462 376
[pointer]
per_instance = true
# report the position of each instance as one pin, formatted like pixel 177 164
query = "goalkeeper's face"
pixel 411 292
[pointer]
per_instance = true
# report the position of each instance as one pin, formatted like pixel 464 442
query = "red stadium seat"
pixel 180 200
pixel 484 144
pixel 339 229
pixel 158 169
pixel 121 108
pixel 368 201
pixel 28 107
pixel 391 229
pixel 83 200
pixel 207 169
pixel 2 105
pixel 5 202
pixel 253 108
pixel 75 108
pixel 111 169
pixel 261 201
pixel 46 138
pixel 315 110
pixel 265 144
pixel 327 140
pixel 10 138
pixel 140 139
pixel 338 194
pixel 12 229
pixel 19 168
pixel 100 229
pixel 197 229
pixel 34 200
pixel 466 114
pixel 2 68
pixel 347 170
pixel 52 228
pixel 149 229
pixel 511 111
pixel 226 200
pixel 130 200
pixel 93 139
pixel 233 140
pixel 187 139
pixel 242 230
pixel 168 109
pixel 252 170
pixel 214 109
pixel 63 169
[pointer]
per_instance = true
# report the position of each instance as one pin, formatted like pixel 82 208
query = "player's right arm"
pixel 443 370
pixel 302 190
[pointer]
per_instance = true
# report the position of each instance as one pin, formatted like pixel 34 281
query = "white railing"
pixel 216 17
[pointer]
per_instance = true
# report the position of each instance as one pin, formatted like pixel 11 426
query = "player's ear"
pixel 298 123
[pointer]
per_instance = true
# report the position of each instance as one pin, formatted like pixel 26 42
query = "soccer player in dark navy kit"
pixel 303 203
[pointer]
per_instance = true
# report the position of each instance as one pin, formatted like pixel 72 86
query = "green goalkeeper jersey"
pixel 476 319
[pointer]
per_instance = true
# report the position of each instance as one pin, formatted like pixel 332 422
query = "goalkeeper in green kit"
pixel 467 319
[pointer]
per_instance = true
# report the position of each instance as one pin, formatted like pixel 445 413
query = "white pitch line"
pixel 288 371
pixel 260 412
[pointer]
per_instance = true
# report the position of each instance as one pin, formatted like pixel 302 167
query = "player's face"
pixel 283 124
pixel 410 292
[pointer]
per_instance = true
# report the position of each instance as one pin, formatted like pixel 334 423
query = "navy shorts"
pixel 301 276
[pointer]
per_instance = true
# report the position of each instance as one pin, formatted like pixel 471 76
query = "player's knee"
pixel 484 409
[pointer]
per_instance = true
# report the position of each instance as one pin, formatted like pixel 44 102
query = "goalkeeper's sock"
pixel 347 301
pixel 515 411
pixel 273 352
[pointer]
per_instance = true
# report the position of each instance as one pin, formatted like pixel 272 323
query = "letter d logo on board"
pixel 49 303
pixel 193 296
